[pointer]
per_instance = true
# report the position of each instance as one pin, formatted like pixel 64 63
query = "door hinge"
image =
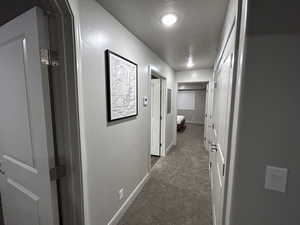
pixel 49 57
pixel 57 173
pixel 223 172
pixel 160 144
pixel 215 84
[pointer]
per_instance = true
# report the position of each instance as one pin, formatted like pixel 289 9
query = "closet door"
pixel 220 134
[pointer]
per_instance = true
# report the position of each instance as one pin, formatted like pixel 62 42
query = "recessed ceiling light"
pixel 190 63
pixel 169 19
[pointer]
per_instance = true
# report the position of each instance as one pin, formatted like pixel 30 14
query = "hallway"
pixel 178 192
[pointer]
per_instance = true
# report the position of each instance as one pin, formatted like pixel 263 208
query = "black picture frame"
pixel 110 116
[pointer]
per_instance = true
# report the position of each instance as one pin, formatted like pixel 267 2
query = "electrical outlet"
pixel 121 193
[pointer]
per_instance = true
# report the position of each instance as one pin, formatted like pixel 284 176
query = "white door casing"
pixel 208 113
pixel 29 196
pixel 155 116
pixel 206 116
pixel 219 149
pixel 209 131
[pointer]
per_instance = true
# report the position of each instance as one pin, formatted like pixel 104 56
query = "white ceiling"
pixel 197 31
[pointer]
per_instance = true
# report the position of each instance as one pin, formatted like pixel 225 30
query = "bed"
pixel 181 123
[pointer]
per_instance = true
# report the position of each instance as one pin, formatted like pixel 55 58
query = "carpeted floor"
pixel 154 160
pixel 178 192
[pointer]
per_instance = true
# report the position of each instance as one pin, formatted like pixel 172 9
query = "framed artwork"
pixel 121 87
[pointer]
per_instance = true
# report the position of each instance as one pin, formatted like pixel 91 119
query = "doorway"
pixel 39 88
pixel 191 105
pixel 158 116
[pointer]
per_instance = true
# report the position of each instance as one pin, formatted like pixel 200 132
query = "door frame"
pixel 65 110
pixel 190 82
pixel 163 111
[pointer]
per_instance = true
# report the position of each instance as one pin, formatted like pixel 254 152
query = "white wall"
pixel 201 75
pixel 265 121
pixel 268 131
pixel 114 155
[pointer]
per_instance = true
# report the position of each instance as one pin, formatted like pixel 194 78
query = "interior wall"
pixel 114 155
pixel 200 75
pixel 267 136
pixel 267 126
pixel 197 115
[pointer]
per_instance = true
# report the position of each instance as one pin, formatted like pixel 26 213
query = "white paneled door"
pixel 220 134
pixel 26 142
pixel 155 116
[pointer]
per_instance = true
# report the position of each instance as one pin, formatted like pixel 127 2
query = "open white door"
pixel 26 142
pixel 219 149
pixel 155 116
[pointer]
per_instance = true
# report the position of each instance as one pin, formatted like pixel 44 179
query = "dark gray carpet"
pixel 178 192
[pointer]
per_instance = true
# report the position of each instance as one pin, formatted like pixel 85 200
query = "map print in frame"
pixel 122 86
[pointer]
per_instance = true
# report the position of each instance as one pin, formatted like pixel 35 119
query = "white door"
pixel 206 117
pixel 208 113
pixel 155 117
pixel 26 141
pixel 221 116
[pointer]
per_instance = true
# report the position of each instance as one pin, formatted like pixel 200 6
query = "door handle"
pixel 213 148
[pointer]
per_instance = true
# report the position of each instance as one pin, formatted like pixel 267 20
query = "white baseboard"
pixel 169 147
pixel 118 215
pixel 195 122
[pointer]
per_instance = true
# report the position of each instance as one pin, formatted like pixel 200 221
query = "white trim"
pixel 163 112
pixel 118 215
pixel 195 122
pixel 78 42
pixel 169 147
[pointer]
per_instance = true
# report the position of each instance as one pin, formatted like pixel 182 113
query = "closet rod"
pixel 203 89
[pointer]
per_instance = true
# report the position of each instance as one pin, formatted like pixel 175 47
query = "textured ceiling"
pixel 197 32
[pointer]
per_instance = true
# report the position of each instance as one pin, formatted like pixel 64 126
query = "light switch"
pixel 276 178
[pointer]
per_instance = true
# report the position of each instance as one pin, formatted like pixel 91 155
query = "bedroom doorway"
pixel 158 117
pixel 191 105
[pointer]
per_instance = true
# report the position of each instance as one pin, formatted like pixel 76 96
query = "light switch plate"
pixel 276 178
